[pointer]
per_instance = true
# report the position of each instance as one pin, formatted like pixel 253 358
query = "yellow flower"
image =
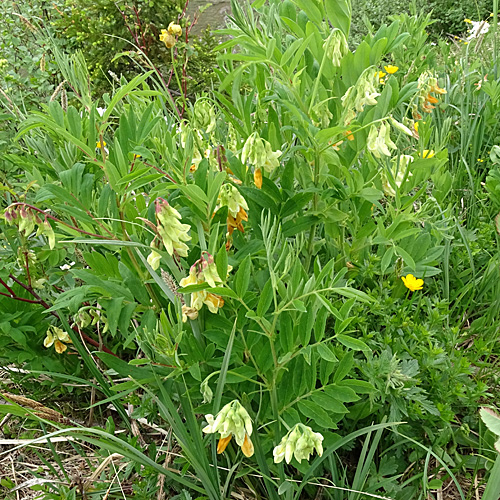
pixel 56 336
pixel 428 153
pixel 232 420
pixel 99 145
pixel 174 29
pixel 468 21
pixel 412 283
pixel 167 38
pixel 380 74
pixel 391 69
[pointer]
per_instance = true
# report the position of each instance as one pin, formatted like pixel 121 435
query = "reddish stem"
pixel 46 306
pixel 48 216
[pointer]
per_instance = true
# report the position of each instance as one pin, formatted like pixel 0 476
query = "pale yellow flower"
pixel 57 337
pixel 232 420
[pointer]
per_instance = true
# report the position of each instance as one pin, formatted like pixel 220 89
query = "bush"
pixel 448 15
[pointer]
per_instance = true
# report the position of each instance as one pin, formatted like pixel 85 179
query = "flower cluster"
pixel 203 116
pixel 259 153
pixel 202 271
pixel 27 220
pixel 232 420
pixel 58 338
pixel 299 442
pixel 170 229
pixel 427 85
pixel 169 36
pixel 477 29
pixel 336 46
pixel 379 140
pixel 361 94
pixel 231 198
pixel 90 316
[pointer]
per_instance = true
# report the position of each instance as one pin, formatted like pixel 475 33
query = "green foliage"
pixel 250 246
pixel 448 16
pixel 123 38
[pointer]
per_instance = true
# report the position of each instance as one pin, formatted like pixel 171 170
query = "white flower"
pixel 478 28
pixel 66 267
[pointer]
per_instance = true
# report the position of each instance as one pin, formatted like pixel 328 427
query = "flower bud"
pixel 174 29
pixel 259 153
pixel 203 116
pixel 172 232
pixel 83 318
pixel 206 391
pixel 167 38
pixel 299 442
pixel 336 46
pixel 49 233
pixel 154 259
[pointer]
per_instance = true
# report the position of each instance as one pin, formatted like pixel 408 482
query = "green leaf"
pixel 242 278
pixel 345 366
pixel 266 298
pixel 351 343
pixel 339 14
pixel 221 263
pixel 315 412
pixel 491 420
pixel 326 353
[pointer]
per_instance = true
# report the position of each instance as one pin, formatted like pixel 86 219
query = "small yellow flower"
pixel 412 283
pixel 391 69
pixel 468 21
pixel 380 74
pixel 428 153
pixel 100 145
pixel 480 160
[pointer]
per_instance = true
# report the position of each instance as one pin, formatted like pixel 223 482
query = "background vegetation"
pixel 176 247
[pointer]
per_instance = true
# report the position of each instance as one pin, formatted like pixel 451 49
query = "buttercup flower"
pixel 412 283
pixel 391 69
pixel 300 442
pixel 57 337
pixel 428 153
pixel 232 420
pixel 172 232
